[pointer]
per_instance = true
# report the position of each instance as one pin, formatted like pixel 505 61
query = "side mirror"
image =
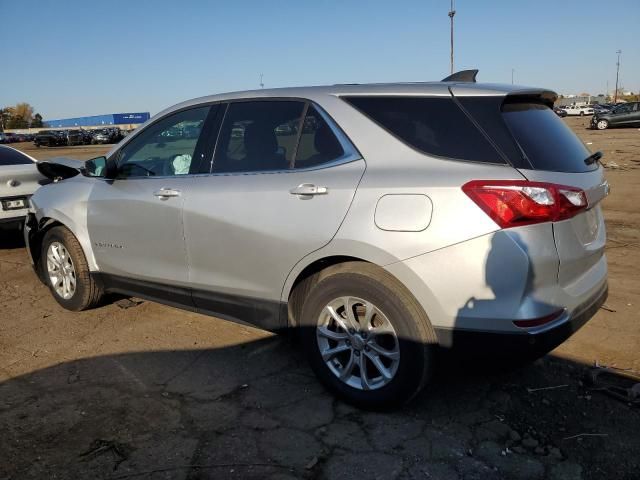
pixel 96 167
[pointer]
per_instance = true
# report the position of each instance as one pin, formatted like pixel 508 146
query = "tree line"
pixel 19 116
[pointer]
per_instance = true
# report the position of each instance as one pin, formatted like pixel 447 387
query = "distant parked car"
pixel 602 108
pixel 76 137
pixel 623 115
pixel 11 137
pixel 560 112
pixel 50 138
pixel 20 179
pixel 101 137
pixel 580 110
pixel 3 138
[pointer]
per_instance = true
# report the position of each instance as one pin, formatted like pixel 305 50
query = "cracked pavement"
pixel 153 392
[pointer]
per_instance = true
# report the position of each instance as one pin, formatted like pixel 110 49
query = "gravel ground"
pixel 153 392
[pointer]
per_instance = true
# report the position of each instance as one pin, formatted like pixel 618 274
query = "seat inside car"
pixel 261 148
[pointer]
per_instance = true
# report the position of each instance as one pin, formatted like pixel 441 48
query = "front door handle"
pixel 166 193
pixel 308 189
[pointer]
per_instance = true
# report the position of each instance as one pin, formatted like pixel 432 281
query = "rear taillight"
pixel 513 203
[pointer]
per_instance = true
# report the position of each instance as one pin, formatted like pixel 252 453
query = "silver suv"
pixel 381 222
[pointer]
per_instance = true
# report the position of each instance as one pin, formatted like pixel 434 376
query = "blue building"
pixel 112 119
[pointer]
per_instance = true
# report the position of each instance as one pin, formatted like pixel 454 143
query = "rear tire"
pixel 396 338
pixel 66 271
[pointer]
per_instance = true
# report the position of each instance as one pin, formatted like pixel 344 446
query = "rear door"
pixel 622 115
pixel 281 183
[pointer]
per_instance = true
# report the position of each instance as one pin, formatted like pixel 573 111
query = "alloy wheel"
pixel 61 271
pixel 358 343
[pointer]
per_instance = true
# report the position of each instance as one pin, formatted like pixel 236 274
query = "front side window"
pixel 165 148
pixel 258 136
pixel 318 144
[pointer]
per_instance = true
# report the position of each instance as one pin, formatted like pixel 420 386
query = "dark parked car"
pixel 50 138
pixel 622 115
pixel 107 135
pixel 77 137
pixel 560 112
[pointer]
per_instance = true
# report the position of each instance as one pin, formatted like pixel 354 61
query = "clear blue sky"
pixel 73 58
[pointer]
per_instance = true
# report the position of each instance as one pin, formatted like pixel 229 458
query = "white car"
pixel 577 110
pixel 19 179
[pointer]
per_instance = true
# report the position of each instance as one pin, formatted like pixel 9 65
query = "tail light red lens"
pixel 513 203
pixel 538 322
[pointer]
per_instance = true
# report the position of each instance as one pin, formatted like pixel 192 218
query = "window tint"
pixel 258 136
pixel 436 126
pixel 547 141
pixel 318 144
pixel 10 156
pixel 164 148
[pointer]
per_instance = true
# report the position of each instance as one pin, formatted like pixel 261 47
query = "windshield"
pixel 10 156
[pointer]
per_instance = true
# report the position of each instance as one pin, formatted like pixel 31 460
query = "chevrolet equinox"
pixel 380 222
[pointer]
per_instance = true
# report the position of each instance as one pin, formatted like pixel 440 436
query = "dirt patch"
pixel 154 392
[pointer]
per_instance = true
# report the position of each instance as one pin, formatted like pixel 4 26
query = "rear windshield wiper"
pixel 593 158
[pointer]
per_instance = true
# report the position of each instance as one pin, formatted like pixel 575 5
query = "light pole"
pixel 261 84
pixel 512 70
pixel 452 13
pixel 615 94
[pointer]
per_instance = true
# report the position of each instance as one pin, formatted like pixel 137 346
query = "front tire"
pixel 66 271
pixel 602 124
pixel 366 337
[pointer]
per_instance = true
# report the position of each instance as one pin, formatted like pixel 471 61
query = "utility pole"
pixel 452 12
pixel 615 94
pixel 261 84
pixel 512 70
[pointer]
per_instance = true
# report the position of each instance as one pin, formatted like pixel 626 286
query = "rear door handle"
pixel 308 189
pixel 166 193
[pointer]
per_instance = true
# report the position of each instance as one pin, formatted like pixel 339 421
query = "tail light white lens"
pixel 513 203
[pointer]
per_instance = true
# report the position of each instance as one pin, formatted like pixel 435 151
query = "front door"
pixel 135 221
pixel 279 189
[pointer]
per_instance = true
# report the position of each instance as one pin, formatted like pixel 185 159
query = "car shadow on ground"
pixel 11 238
pixel 255 410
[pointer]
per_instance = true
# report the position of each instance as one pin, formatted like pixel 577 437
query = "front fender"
pixel 64 203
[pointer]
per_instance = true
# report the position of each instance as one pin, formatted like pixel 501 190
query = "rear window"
pixel 432 125
pixel 10 156
pixel 545 139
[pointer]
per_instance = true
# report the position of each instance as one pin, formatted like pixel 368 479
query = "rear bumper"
pixel 483 342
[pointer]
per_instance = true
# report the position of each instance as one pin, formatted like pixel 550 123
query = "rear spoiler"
pixel 548 97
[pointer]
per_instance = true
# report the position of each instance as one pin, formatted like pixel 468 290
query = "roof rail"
pixel 462 76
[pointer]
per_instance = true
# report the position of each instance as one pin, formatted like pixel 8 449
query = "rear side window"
pixel 318 144
pixel 258 136
pixel 432 125
pixel 9 156
pixel 545 139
